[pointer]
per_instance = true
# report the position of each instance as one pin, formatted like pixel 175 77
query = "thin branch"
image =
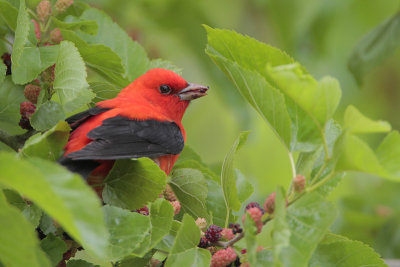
pixel 9 140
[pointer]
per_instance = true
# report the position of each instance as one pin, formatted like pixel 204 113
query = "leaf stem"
pixel 320 183
pixel 9 140
pixel 292 164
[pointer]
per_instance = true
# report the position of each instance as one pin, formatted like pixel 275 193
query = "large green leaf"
pixel 216 204
pixel 133 183
pixel 54 247
pixel 127 231
pixel 47 115
pixel 70 78
pixel 308 220
pixel 38 59
pixel 375 47
pixel 62 195
pixel 48 145
pixel 388 153
pixel 21 36
pixel 134 58
pixel 228 181
pixel 190 188
pixel 355 122
pixel 30 211
pixel 335 250
pixel 100 58
pixel 161 217
pixel 281 232
pixel 18 242
pixel 104 90
pixel 11 96
pixel 184 251
pixel 9 14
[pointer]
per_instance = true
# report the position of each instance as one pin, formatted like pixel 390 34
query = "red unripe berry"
pixel 255 214
pixel 177 206
pixel 31 92
pixel 227 234
pixel 213 233
pixel 27 109
pixel 223 257
pixel 169 194
pixel 269 205
pixel 43 10
pixel 55 36
pixel 62 5
pixel 299 182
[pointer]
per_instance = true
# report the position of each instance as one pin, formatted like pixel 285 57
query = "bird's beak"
pixel 192 91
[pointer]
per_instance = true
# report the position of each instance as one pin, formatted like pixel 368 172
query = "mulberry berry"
pixel 27 109
pixel 43 10
pixel 227 234
pixel 269 204
pixel 223 257
pixel 177 206
pixel 31 92
pixel 201 223
pixel 6 57
pixel 62 5
pixel 204 242
pixel 299 182
pixel 55 36
pixel 213 233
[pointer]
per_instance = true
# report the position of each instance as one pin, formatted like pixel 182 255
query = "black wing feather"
pixel 120 137
pixel 75 120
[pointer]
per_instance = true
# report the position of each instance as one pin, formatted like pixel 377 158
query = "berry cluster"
pixel 26 110
pixel 236 229
pixel 213 233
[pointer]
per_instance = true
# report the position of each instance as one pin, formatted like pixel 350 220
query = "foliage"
pixel 95 59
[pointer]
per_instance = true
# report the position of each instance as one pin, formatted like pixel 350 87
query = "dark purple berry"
pixel 213 233
pixel 6 57
pixel 204 242
pixel 25 123
pixel 236 229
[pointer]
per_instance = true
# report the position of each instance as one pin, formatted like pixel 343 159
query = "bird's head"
pixel 165 88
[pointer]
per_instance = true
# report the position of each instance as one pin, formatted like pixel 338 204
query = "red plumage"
pixel 146 117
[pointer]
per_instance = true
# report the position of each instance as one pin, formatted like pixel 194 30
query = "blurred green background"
pixel 320 34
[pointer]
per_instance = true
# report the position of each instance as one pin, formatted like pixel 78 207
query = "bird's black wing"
pixel 75 120
pixel 120 137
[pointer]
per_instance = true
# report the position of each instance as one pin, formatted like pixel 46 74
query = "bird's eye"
pixel 165 89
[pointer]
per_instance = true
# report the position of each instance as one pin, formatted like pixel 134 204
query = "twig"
pixel 17 141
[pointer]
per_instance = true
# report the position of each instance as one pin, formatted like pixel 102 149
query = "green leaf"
pixel 281 232
pixel 54 248
pixel 80 263
pixel 188 235
pixel 228 176
pixel 166 243
pixel 31 212
pixel 18 242
pixel 388 153
pixel 184 251
pixel 244 61
pixel 191 257
pixel 355 155
pixel 88 26
pixel 62 195
pixel 133 183
pixel 135 261
pixel 21 36
pixel 70 78
pixel 335 249
pixel 375 47
pixel 47 116
pixel 38 59
pixel 161 217
pixel 190 188
pixel 216 204
pixel 244 187
pixel 134 58
pixel 250 231
pixel 11 96
pixel 48 145
pixel 100 58
pixel 308 219
pixel 355 122
pixel 9 14
pixel 104 90
pixel 127 231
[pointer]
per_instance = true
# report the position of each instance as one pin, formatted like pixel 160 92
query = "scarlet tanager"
pixel 144 120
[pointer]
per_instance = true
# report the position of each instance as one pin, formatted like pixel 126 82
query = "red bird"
pixel 144 120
